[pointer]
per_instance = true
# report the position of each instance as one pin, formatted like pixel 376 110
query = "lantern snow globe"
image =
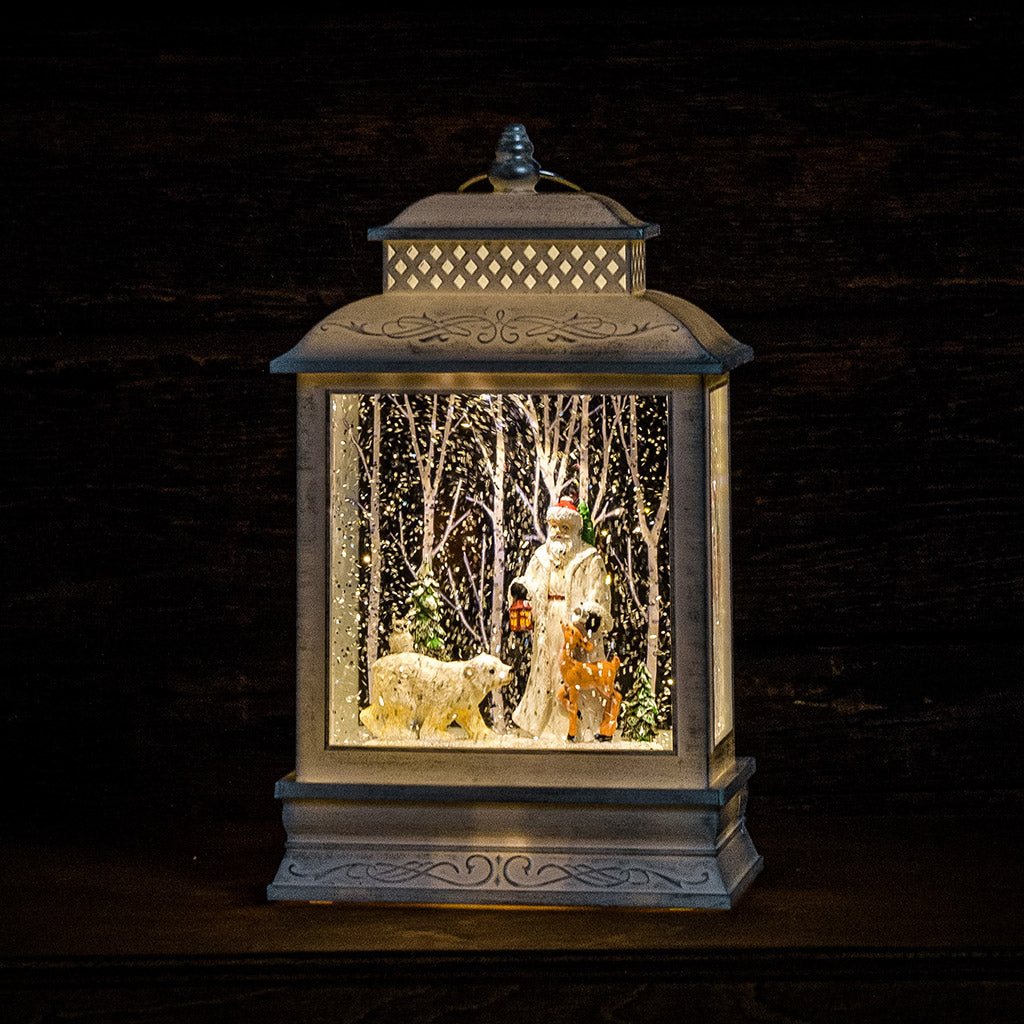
pixel 514 606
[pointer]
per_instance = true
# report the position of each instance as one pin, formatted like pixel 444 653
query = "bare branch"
pixel 477 632
pixel 627 434
pixel 485 508
pixel 402 548
pixel 455 607
pixel 538 526
pixel 478 589
pixel 597 512
pixel 353 440
pixel 626 569
pixel 525 405
pixel 452 522
pixel 488 460
pixel 359 507
pixel 449 420
pixel 659 519
pixel 566 452
pixel 405 407
pixel 531 506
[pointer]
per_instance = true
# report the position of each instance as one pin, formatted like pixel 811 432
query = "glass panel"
pixel 500 571
pixel 721 585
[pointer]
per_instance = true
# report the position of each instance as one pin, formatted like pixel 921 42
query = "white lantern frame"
pixel 582 824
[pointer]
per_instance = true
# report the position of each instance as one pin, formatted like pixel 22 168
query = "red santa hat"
pixel 565 512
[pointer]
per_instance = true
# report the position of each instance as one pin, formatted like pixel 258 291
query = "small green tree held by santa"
pixel 424 616
pixel 639 710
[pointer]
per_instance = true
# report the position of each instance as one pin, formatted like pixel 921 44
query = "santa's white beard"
pixel 560 551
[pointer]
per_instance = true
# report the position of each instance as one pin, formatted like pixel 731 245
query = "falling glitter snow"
pixel 438 501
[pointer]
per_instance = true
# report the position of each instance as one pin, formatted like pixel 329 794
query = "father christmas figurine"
pixel 564 576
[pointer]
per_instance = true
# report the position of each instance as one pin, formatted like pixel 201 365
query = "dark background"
pixel 182 198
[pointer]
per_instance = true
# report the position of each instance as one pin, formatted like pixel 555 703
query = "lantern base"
pixel 506 845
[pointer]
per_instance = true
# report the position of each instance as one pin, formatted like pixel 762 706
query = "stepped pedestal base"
pixel 503 845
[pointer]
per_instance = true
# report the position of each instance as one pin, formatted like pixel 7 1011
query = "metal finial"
pixel 514 167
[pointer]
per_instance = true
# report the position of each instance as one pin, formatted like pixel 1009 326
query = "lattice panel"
pixel 640 265
pixel 561 267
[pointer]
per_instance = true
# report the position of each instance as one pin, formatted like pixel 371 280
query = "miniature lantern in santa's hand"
pixel 520 614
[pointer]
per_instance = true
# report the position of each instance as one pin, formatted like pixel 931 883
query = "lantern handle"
pixel 550 175
pixel 472 181
pixel 561 181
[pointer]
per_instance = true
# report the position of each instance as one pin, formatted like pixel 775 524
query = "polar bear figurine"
pixel 412 691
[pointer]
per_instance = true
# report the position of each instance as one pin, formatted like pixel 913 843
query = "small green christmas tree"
pixel 588 532
pixel 639 710
pixel 424 616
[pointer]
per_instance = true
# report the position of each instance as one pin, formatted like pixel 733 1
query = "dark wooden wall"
pixel 182 198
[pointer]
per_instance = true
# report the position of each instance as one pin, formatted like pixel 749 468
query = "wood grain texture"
pixel 183 198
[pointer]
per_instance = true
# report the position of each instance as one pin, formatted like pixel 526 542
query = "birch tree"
pixel 371 513
pixel 551 421
pixel 493 461
pixel 592 422
pixel 650 521
pixel 430 455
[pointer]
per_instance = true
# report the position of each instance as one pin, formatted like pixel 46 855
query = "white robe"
pixel 553 594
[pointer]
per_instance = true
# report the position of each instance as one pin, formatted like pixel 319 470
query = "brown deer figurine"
pixel 597 676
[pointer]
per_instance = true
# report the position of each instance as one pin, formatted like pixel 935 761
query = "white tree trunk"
pixel 498 528
pixel 498 565
pixel 650 529
pixel 373 603
pixel 653 612
pixel 584 460
pixel 430 464
pixel 371 512
pixel 595 492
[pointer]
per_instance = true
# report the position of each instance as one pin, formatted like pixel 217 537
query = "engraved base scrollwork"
pixel 503 877
pixel 516 871
pixel 521 872
pixel 473 871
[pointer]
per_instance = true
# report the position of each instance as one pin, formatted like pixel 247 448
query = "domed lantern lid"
pixel 515 210
pixel 516 280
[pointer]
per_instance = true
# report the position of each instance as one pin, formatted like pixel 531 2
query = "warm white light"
pixel 405 495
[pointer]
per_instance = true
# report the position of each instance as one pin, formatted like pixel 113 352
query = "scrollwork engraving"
pixel 427 327
pixel 520 873
pixel 477 870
